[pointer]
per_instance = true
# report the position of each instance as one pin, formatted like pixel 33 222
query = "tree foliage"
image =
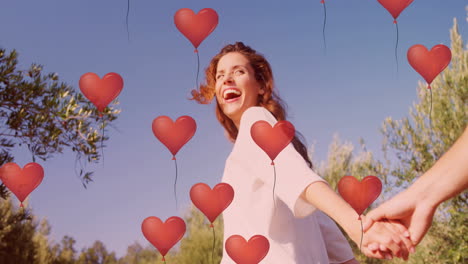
pixel 97 254
pixel 137 254
pixel 17 229
pixel 418 143
pixel 46 116
pixel 202 243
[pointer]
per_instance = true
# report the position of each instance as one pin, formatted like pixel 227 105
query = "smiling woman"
pixel 236 87
pixel 241 80
pixel 239 68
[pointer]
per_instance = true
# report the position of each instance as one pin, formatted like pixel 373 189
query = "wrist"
pixel 353 230
pixel 335 207
pixel 425 192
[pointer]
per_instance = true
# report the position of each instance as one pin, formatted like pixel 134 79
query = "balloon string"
pixel 430 112
pixel 128 10
pixel 102 139
pixel 362 234
pixel 324 23
pixel 396 47
pixel 175 182
pixel 274 185
pixel 198 69
pixel 214 239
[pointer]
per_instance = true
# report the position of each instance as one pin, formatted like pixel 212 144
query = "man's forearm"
pixel 447 177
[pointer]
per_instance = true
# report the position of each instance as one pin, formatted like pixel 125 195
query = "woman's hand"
pixel 384 240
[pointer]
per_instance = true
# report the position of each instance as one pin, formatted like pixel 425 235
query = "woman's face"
pixel 236 86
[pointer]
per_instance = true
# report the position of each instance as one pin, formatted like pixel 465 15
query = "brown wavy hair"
pixel 269 99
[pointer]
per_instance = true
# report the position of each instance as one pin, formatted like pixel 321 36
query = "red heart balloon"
pixel 174 135
pixel 429 63
pixel 19 181
pixel 163 236
pixel 359 194
pixel 211 202
pixel 251 252
pixel 395 7
pixel 196 27
pixel 272 139
pixel 101 91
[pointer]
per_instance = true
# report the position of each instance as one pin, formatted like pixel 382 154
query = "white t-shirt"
pixel 296 231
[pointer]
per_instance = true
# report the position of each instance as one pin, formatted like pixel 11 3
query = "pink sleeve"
pixel 292 172
pixel 338 248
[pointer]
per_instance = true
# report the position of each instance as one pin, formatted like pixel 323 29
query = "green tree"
pixel 137 254
pixel 43 254
pixel 47 116
pixel 64 253
pixel 417 144
pixel 17 229
pixel 197 244
pixel 97 254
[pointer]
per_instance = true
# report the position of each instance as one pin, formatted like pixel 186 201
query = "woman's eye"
pixel 238 72
pixel 219 76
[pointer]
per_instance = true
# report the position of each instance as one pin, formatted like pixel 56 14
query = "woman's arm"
pixel 293 176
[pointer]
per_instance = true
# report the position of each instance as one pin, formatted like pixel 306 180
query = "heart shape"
pixel 196 27
pixel 395 7
pixel 19 181
pixel 429 63
pixel 360 194
pixel 174 135
pixel 243 252
pixel 212 202
pixel 272 139
pixel 101 91
pixel 163 236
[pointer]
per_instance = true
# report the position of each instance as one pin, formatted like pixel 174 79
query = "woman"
pixel 241 80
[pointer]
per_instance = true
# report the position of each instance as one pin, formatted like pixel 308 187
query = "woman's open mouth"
pixel 231 95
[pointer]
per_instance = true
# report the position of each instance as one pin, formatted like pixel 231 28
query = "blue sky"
pixel 349 89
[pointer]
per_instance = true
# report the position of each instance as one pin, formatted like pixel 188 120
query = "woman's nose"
pixel 228 79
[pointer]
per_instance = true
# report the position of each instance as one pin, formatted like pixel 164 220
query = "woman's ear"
pixel 261 91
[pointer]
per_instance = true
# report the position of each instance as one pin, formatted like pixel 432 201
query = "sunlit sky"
pixel 349 89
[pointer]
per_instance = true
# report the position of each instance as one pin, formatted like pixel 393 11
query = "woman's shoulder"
pixel 249 117
pixel 256 113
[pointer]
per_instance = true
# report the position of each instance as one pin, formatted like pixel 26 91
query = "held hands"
pixel 415 214
pixel 384 240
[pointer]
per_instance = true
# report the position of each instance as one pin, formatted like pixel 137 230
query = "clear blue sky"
pixel 350 89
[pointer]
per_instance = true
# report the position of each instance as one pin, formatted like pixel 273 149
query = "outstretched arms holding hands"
pixel 415 207
pixel 391 237
pixel 412 210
